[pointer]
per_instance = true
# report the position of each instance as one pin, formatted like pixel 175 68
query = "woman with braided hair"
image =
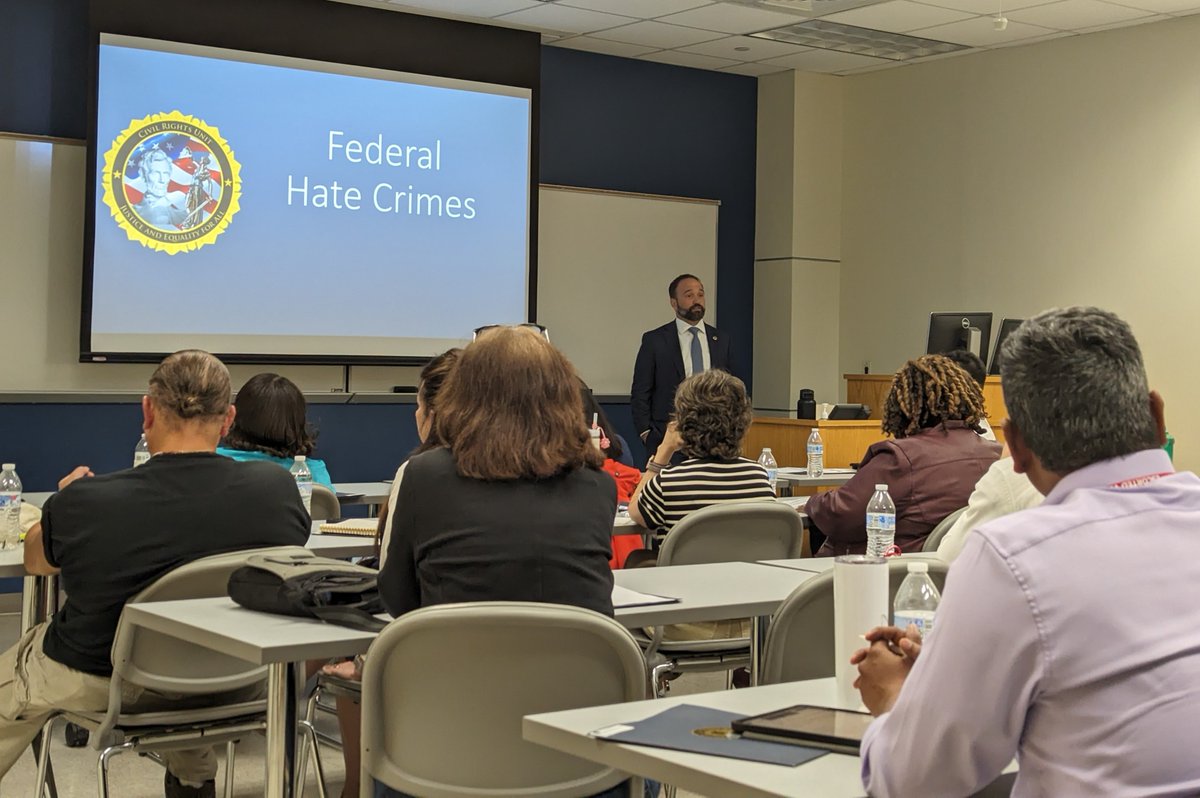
pixel 930 464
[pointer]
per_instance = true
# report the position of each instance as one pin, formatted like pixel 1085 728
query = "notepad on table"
pixel 624 597
pixel 359 527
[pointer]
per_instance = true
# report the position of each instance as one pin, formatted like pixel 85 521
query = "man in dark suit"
pixel 671 353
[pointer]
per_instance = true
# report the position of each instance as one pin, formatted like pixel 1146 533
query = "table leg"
pixel 758 639
pixel 281 731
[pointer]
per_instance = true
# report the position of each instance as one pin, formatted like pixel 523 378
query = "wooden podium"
pixel 845 441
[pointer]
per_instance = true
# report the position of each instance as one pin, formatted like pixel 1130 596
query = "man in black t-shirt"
pixel 111 536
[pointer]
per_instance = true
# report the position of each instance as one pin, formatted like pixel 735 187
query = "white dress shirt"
pixel 1068 635
pixel 685 344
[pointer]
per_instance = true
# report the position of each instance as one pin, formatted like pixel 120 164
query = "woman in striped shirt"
pixel 712 414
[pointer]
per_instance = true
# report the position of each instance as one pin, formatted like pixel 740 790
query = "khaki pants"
pixel 33 687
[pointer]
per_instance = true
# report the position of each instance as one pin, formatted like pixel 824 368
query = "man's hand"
pixel 78 473
pixel 883 667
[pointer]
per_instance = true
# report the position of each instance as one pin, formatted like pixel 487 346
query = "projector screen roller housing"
pixel 288 210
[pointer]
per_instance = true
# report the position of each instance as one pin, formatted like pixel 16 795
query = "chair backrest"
pixel 800 641
pixel 325 504
pixel 161 662
pixel 735 532
pixel 445 689
pixel 935 537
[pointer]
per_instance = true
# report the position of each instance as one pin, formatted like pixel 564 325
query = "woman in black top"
pixel 515 507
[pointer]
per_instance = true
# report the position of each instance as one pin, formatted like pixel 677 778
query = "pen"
pixel 892 647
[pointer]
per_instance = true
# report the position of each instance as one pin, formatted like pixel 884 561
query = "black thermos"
pixel 806 407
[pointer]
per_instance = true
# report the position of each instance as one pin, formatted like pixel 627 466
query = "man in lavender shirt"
pixel 1069 634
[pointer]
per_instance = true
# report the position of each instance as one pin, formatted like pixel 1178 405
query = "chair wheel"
pixel 75 736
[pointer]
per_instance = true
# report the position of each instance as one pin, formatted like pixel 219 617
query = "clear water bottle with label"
pixel 594 432
pixel 10 507
pixel 881 524
pixel 816 454
pixel 916 600
pixel 767 461
pixel 304 480
pixel 141 452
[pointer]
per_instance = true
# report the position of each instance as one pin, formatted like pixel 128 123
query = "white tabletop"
pixel 364 492
pixel 36 498
pixel 12 562
pixel 827 776
pixel 713 592
pixel 798 477
pixel 819 565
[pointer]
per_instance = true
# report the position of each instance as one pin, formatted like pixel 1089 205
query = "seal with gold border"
pixel 171 182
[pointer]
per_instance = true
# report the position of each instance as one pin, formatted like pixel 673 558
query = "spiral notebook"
pixel 355 527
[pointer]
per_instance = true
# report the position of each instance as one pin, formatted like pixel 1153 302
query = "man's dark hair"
pixel 1075 387
pixel 969 362
pixel 675 283
pixel 271 418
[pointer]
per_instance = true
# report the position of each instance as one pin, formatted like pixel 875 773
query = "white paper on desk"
pixel 624 597
pixel 860 603
pixel 793 501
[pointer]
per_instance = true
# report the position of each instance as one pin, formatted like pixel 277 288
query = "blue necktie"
pixel 697 353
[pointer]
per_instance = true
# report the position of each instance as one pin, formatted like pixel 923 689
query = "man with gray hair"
pixel 111 536
pixel 1069 634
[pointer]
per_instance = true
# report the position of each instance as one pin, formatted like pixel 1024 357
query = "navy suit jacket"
pixel 658 372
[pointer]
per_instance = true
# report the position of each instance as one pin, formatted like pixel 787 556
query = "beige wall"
pixel 1060 173
pixel 798 238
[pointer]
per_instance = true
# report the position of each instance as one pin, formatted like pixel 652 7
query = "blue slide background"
pixel 294 270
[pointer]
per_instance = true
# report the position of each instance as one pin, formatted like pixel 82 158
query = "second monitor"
pixel 950 331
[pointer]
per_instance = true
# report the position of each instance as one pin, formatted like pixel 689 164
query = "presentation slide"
pixel 257 205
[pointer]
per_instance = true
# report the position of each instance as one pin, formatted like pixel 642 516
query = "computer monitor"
pixel 950 331
pixel 1006 329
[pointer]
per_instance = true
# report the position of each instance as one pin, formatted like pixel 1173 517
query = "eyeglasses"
pixel 527 325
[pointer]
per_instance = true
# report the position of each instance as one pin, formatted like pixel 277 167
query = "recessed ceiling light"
pixel 861 41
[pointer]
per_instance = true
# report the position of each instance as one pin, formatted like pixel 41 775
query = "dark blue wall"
pixel 605 123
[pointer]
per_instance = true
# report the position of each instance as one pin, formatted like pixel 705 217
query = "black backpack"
pixel 308 586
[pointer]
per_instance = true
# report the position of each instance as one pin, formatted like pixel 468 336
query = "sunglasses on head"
pixel 527 325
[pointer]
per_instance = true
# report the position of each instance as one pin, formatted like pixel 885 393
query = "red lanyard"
pixel 1137 482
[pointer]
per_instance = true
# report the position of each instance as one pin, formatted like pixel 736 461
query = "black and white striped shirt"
pixel 693 484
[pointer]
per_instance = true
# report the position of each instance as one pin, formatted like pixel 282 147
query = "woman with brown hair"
pixel 930 465
pixel 516 492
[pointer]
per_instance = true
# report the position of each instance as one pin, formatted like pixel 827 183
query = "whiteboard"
pixel 605 260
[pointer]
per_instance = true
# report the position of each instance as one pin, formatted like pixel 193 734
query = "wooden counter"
pixel 845 441
pixel 872 390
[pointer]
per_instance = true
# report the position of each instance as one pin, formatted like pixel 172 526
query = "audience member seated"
pixel 1000 491
pixel 111 536
pixel 712 414
pixel 969 362
pixel 930 466
pixel 271 425
pixel 515 506
pixel 349 712
pixel 1068 634
pixel 619 466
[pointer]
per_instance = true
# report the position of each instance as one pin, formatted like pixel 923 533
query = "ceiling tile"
pixel 1165 6
pixel 469 8
pixel 754 70
pixel 556 17
pixel 1075 14
pixel 657 34
pixel 754 49
pixel 679 58
pixel 1062 34
pixel 641 9
pixel 823 61
pixel 877 67
pixel 985 6
pixel 731 18
pixel 898 16
pixel 1139 21
pixel 604 46
pixel 978 32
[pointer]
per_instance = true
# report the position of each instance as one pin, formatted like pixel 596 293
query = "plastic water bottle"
pixel 10 507
pixel 303 479
pixel 816 454
pixel 594 432
pixel 141 452
pixel 881 524
pixel 916 600
pixel 767 461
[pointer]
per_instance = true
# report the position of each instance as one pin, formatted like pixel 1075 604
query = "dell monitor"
pixel 969 331
pixel 1007 326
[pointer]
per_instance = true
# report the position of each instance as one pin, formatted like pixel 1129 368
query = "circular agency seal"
pixel 171 182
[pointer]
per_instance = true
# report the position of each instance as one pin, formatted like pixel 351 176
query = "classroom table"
pixel 830 776
pixel 819 565
pixel 799 478
pixel 372 494
pixel 712 592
